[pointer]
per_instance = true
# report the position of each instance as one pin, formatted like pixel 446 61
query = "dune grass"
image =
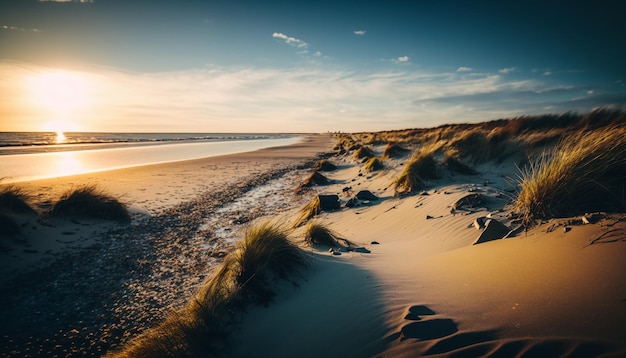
pixel 317 233
pixel 311 209
pixel 89 201
pixel 364 152
pixel 14 199
pixel 394 150
pixel 456 165
pixel 245 277
pixel 585 172
pixel 422 167
pixel 373 164
pixel 325 166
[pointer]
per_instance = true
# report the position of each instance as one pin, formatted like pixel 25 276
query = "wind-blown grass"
pixel 422 167
pixel 325 166
pixel 13 200
pixel 457 166
pixel 374 164
pixel 90 202
pixel 364 152
pixel 582 174
pixel 319 234
pixel 394 150
pixel 311 209
pixel 245 277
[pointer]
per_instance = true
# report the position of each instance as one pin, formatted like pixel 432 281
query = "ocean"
pixel 38 155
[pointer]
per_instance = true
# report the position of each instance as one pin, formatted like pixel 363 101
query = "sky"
pixel 294 66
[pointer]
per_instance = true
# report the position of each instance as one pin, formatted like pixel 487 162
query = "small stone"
pixel 567 229
pixel 336 253
pixel 375 243
pixel 428 217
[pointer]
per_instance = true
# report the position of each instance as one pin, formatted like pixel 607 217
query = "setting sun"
pixel 59 91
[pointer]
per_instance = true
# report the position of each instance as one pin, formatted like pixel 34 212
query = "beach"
pixel 423 273
pixel 85 286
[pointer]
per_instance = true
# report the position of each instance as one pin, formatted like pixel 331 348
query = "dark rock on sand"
pixel 329 202
pixel 366 195
pixel 470 201
pixel 494 230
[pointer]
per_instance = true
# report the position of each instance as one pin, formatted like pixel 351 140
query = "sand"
pixel 420 287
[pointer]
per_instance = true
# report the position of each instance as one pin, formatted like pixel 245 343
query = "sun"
pixel 59 91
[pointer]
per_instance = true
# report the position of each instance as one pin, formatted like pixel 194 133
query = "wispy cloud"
pixel 297 99
pixel 401 59
pixel 290 40
pixel 507 70
pixel 317 54
pixel 359 32
pixel 463 69
pixel 15 28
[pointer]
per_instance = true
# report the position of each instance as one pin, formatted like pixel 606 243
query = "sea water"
pixel 28 156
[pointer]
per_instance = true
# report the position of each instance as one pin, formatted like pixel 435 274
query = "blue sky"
pixel 247 66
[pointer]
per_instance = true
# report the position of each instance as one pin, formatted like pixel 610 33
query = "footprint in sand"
pixel 426 329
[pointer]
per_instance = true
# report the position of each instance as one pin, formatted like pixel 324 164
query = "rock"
pixel 366 195
pixel 328 202
pixel 494 230
pixel 567 229
pixel 479 223
pixel 428 217
pixel 375 243
pixel 470 201
pixel 352 203
pixel 362 250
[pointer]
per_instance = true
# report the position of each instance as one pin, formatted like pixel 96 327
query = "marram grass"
pixel 308 211
pixel 245 277
pixel 89 201
pixel 422 167
pixel 373 164
pixel 317 233
pixel 582 174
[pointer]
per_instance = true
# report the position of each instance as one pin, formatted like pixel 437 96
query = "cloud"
pixel 547 73
pixel 15 28
pixel 463 69
pixel 317 54
pixel 298 99
pixel 359 32
pixel 290 40
pixel 401 59
pixel 507 70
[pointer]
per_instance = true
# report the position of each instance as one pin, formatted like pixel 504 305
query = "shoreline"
pixel 126 278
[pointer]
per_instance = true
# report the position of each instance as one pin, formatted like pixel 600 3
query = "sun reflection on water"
pixel 66 163
pixel 60 137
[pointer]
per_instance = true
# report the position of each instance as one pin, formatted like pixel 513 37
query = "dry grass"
pixel 319 234
pixel 584 173
pixel 421 168
pixel 14 199
pixel 364 152
pixel 245 277
pixel 374 164
pixel 310 210
pixel 456 165
pixel 90 202
pixel 394 150
pixel 325 166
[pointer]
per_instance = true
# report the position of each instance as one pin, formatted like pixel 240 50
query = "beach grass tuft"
pixel 89 201
pixel 325 166
pixel 363 152
pixel 14 199
pixel 200 328
pixel 456 165
pixel 374 164
pixel 584 173
pixel 311 209
pixel 422 167
pixel 319 234
pixel 394 150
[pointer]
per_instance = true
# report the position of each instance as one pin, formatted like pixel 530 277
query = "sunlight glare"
pixel 67 164
pixel 60 91
pixel 60 137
